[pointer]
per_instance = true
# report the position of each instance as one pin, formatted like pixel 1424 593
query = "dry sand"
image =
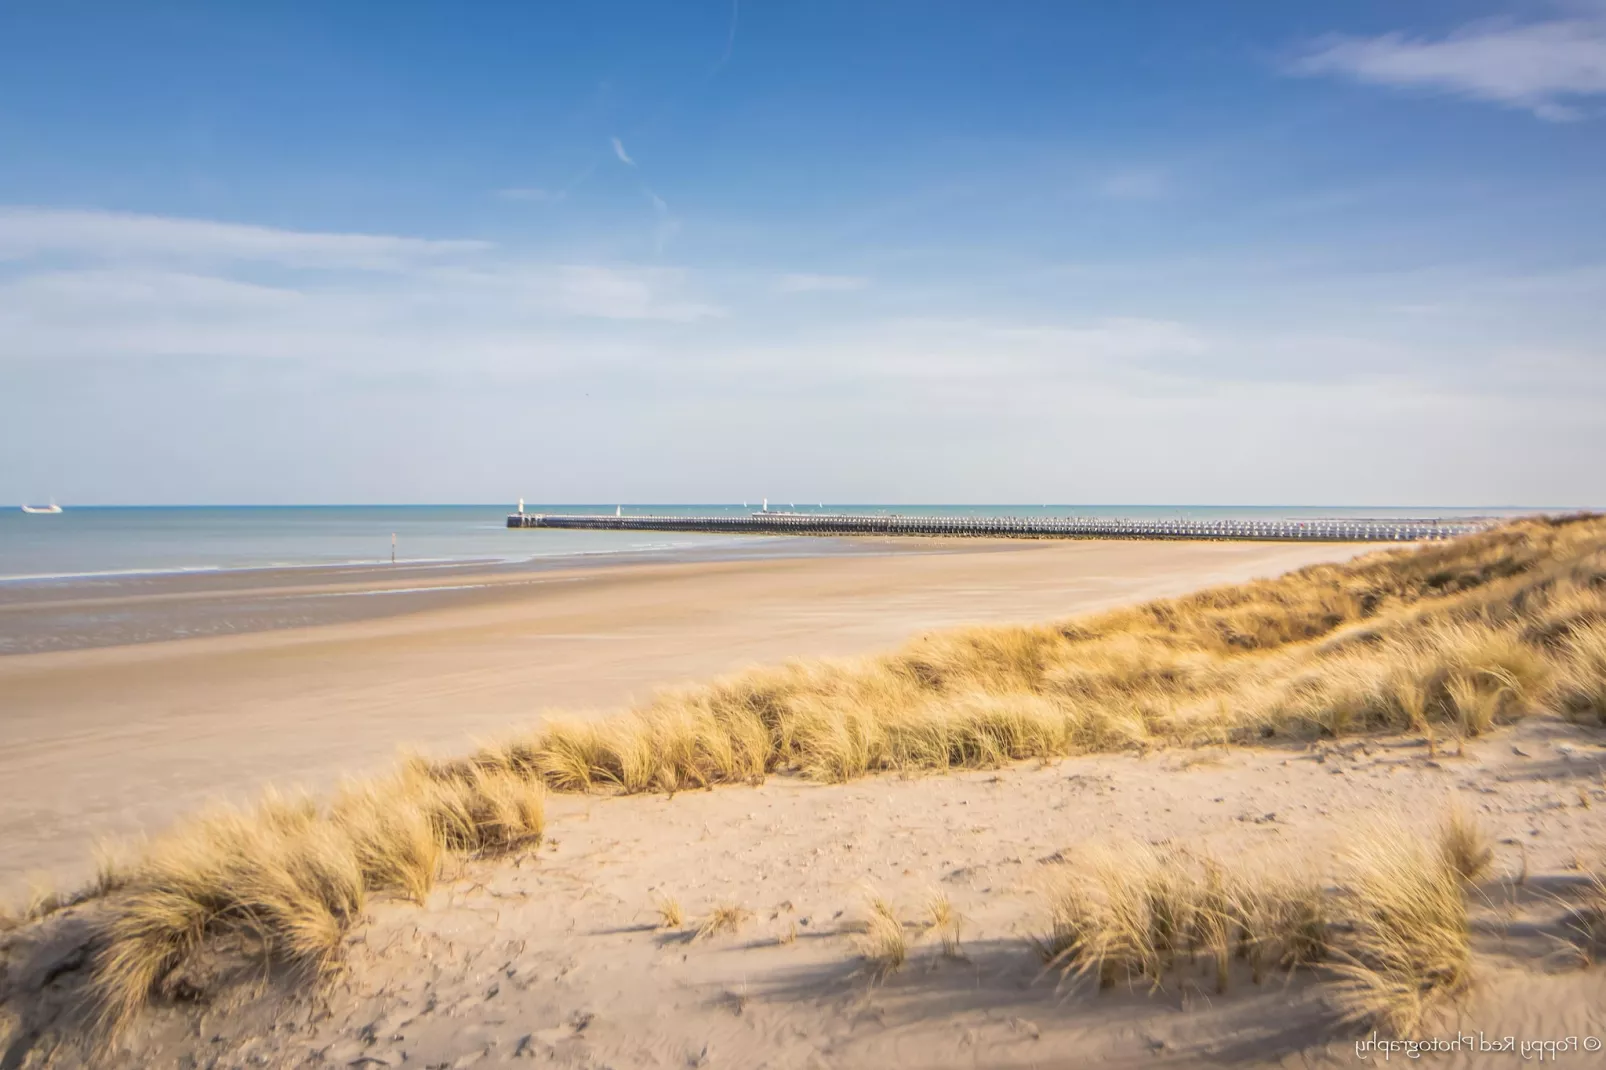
pixel 553 958
pixel 119 740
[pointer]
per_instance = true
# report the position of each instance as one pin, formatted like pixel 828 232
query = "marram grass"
pixel 1391 941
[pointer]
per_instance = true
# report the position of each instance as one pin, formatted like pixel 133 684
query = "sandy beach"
pixel 558 959
pixel 734 926
pixel 118 740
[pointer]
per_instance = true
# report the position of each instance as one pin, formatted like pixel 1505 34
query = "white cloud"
pixel 619 151
pixel 91 285
pixel 805 283
pixel 640 293
pixel 29 232
pixel 1541 66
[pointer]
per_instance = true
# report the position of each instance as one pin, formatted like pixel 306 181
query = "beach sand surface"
pixel 555 956
pixel 118 741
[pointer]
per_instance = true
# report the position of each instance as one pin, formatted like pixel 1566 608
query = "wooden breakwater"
pixel 1051 527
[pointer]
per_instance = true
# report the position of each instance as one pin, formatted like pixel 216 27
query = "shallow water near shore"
pixel 110 541
pixel 108 576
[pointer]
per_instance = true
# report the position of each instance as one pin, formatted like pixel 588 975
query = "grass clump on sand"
pixel 946 922
pixel 880 940
pixel 1411 941
pixel 1390 942
pixel 724 918
pixel 1464 845
pixel 670 914
pixel 1132 916
pixel 288 878
pixel 1452 638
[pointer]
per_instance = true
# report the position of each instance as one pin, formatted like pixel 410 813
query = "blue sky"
pixel 1254 253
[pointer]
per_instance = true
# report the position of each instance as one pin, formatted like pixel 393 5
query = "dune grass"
pixel 1409 942
pixel 670 914
pixel 724 918
pixel 1464 845
pixel 1131 916
pixel 1391 940
pixel 946 922
pixel 1451 638
pixel 880 939
pixel 288 878
pixel 1447 640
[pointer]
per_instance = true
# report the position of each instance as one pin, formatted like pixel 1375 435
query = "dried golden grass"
pixel 1464 845
pixel 1583 684
pixel 880 940
pixel 724 918
pixel 945 921
pixel 1457 637
pixel 670 914
pixel 1394 939
pixel 1129 916
pixel 290 877
pixel 1409 943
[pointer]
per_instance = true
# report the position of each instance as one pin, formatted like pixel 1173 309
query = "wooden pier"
pixel 1024 527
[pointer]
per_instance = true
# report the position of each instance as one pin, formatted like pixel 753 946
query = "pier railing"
pixel 1068 527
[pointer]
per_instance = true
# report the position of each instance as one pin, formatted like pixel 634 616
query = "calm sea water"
pixel 133 540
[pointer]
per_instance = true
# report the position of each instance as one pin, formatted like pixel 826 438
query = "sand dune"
pixel 555 958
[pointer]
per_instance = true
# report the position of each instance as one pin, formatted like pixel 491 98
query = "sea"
pixel 105 541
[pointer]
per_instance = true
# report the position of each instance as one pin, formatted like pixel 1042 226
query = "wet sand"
pixel 116 609
pixel 118 740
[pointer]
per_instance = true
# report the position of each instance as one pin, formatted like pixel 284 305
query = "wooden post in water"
pixel 393 547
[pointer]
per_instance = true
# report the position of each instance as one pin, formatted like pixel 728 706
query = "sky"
pixel 883 251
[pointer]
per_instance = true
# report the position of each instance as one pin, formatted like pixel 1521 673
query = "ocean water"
pixel 136 540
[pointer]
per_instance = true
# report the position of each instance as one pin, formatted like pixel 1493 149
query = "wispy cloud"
pixel 106 286
pixel 1542 67
pixel 27 232
pixel 804 283
pixel 730 39
pixel 530 194
pixel 619 151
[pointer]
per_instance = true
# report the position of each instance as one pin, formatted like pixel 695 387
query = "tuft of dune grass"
pixel 1410 940
pixel 724 918
pixel 1392 941
pixel 1458 636
pixel 1132 915
pixel 947 922
pixel 290 877
pixel 881 941
pixel 670 914
pixel 1464 845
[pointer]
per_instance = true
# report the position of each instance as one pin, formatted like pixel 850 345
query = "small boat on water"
pixel 51 508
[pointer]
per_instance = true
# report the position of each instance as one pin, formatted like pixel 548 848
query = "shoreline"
pixel 94 610
pixel 120 740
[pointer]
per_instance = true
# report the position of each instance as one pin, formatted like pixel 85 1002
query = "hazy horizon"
pixel 1235 252
pixel 531 504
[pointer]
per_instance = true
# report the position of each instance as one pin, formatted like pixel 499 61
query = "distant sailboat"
pixel 619 510
pixel 51 508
